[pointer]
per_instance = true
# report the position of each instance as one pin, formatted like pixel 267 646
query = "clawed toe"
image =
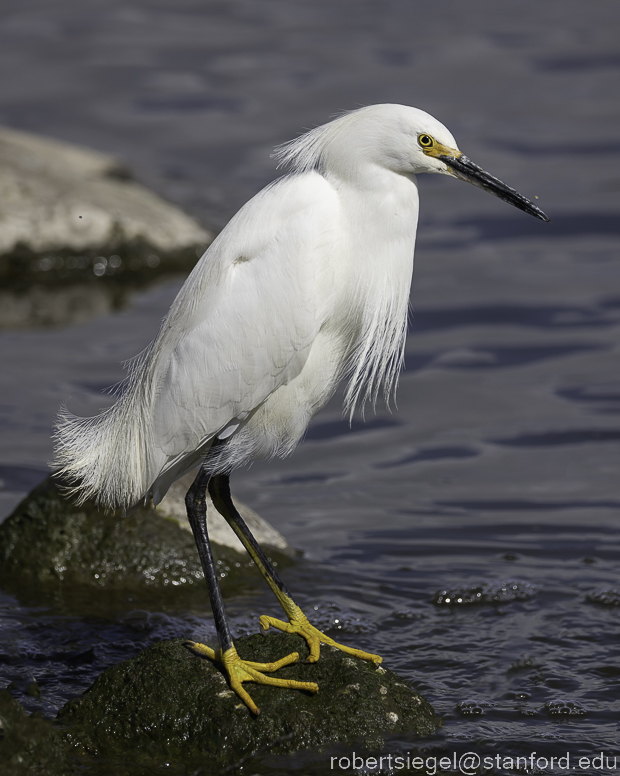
pixel 201 649
pixel 314 637
pixel 240 671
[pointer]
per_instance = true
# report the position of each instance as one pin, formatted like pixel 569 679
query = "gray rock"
pixel 168 703
pixel 56 196
pixel 71 216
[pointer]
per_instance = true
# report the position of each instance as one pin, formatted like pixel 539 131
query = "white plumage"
pixel 307 284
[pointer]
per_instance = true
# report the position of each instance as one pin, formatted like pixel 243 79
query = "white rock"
pixel 173 505
pixel 54 195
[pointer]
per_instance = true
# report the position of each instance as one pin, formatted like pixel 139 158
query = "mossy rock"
pixel 88 560
pixel 167 703
pixel 29 744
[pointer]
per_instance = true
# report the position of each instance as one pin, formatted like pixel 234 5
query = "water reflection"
pixel 63 288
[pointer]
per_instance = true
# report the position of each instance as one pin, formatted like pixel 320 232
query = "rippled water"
pixel 470 537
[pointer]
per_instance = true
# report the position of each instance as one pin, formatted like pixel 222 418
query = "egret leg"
pixel 238 670
pixel 219 489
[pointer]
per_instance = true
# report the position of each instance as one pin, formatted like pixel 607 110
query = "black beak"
pixel 466 170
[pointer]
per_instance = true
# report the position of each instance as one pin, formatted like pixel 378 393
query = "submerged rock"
pixel 486 593
pixel 169 703
pixel 28 743
pixel 605 597
pixel 564 708
pixel 76 231
pixel 49 545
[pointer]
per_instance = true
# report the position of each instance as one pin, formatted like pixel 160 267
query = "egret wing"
pixel 244 322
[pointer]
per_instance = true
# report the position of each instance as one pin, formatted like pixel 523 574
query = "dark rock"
pixel 564 708
pixel 605 597
pixel 472 707
pixel 89 560
pixel 33 689
pixel 486 593
pixel 29 745
pixel 169 703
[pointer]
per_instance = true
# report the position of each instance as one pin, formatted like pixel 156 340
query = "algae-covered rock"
pixel 29 744
pixel 169 703
pixel 49 544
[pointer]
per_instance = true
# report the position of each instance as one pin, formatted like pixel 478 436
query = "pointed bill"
pixel 463 168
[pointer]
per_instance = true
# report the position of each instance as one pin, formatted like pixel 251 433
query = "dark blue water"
pixel 471 537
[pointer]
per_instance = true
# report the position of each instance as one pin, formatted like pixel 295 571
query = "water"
pixel 496 480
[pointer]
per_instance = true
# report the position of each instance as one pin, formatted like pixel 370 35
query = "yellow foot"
pixel 299 624
pixel 239 671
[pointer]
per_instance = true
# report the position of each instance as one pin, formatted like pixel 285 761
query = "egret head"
pixel 399 138
pixel 453 162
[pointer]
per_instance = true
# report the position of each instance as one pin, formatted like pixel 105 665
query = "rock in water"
pixel 169 703
pixel 83 557
pixel 76 231
pixel 29 744
pixel 220 533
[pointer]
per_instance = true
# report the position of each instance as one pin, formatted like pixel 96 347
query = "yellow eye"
pixel 426 141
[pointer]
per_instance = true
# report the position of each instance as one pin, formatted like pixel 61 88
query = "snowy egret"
pixel 308 284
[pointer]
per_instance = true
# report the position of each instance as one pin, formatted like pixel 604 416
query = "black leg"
pixel 219 490
pixel 238 670
pixel 196 505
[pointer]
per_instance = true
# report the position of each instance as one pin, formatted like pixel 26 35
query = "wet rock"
pixel 33 689
pixel 524 663
pixel 28 743
pixel 49 545
pixel 606 597
pixel 472 707
pixel 76 232
pixel 170 703
pixel 486 593
pixel 564 708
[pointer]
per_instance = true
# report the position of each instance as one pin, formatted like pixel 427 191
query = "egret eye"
pixel 426 141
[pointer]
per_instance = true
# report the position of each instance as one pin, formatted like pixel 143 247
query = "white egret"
pixel 308 284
